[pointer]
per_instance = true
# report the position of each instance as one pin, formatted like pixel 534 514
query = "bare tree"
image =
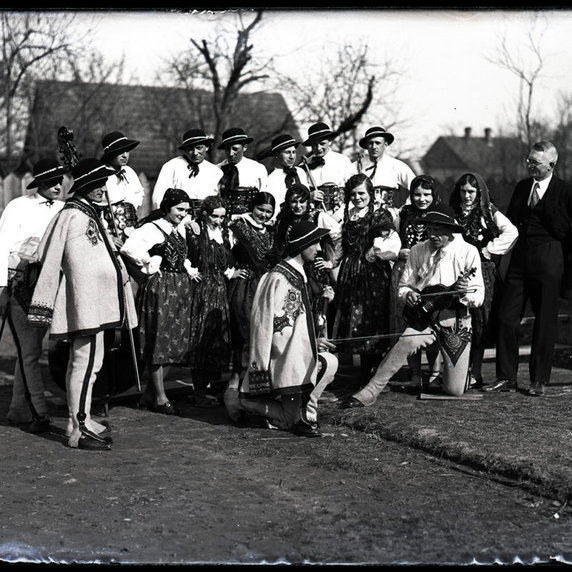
pixel 216 71
pixel 27 40
pixel 525 61
pixel 346 88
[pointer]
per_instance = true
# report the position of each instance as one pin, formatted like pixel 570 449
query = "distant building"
pixel 156 116
pixel 500 160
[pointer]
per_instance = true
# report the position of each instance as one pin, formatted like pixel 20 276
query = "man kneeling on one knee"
pixel 289 367
pixel 442 264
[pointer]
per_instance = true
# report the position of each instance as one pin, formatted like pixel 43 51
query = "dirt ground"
pixel 198 489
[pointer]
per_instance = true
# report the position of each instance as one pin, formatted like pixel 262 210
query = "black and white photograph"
pixel 286 286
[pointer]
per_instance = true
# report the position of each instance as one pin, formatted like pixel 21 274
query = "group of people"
pixel 271 276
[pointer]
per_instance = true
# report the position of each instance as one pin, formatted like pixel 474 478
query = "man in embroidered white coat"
pixel 444 259
pixel 22 225
pixel 286 360
pixel 82 290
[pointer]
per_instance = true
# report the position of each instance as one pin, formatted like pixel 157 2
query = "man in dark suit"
pixel 540 269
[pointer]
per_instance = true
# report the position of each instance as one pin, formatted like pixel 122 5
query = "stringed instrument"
pixel 433 299
pixel 120 369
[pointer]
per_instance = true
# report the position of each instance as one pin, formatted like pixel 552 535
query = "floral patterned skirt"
pixel 164 310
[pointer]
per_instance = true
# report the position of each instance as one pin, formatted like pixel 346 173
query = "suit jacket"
pixel 558 218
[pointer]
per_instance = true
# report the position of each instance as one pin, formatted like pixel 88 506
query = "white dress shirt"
pixel 337 169
pixel 390 172
pixel 126 188
pixel 542 186
pixel 276 185
pixel 250 173
pixel 175 174
pixel 22 225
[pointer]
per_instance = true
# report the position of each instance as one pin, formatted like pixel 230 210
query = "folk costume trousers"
pixel 455 373
pixel 29 341
pixel 85 361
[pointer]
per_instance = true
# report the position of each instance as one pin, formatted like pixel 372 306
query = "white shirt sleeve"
pixel 505 240
pixel 138 245
pixel 387 248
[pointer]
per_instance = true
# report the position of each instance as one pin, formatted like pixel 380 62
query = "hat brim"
pixel 326 136
pixel 242 140
pixel 428 220
pixel 125 146
pixel 205 141
pixel 387 136
pixel 56 175
pixel 93 183
pixel 316 236
pixel 283 146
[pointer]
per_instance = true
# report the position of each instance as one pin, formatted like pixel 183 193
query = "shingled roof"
pixel 490 156
pixel 156 116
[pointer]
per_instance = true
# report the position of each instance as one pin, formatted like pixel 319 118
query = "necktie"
pixel 535 197
pixel 194 169
pixel 291 177
pixel 316 162
pixel 373 168
pixel 120 174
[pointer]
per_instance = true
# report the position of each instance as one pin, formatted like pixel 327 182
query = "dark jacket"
pixel 557 218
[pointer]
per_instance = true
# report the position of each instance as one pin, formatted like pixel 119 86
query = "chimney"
pixel 467 132
pixel 488 136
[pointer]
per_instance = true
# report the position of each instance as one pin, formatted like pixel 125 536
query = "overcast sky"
pixel 448 82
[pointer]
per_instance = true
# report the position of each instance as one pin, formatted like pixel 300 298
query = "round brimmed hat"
pixel 234 135
pixel 46 170
pixel 303 234
pixel 115 143
pixel 281 142
pixel 376 132
pixel 195 137
pixel 89 174
pixel 441 214
pixel 319 132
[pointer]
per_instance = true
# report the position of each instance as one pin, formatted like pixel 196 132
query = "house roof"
pixel 490 156
pixel 156 116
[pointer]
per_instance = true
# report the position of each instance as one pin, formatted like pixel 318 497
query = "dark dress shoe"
pixel 166 409
pixel 500 385
pixel 352 403
pixel 537 389
pixel 304 430
pixel 38 426
pixel 90 444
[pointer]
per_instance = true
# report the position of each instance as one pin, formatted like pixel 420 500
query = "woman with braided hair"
pixel 369 243
pixel 494 235
pixel 211 260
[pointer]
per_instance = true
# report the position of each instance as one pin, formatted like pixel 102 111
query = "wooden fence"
pixel 15 186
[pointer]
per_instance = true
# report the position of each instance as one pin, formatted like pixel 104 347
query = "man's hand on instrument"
pixel 324 345
pixel 461 284
pixel 412 298
pixel 317 196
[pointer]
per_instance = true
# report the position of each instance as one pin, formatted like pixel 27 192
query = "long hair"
pixel 208 206
pixel 286 217
pixel 483 205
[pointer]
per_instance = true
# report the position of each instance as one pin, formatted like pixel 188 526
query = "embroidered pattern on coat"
pixel 92 232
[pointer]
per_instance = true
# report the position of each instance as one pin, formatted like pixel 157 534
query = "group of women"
pixel 199 277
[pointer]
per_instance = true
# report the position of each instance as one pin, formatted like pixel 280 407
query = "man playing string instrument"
pixel 443 259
